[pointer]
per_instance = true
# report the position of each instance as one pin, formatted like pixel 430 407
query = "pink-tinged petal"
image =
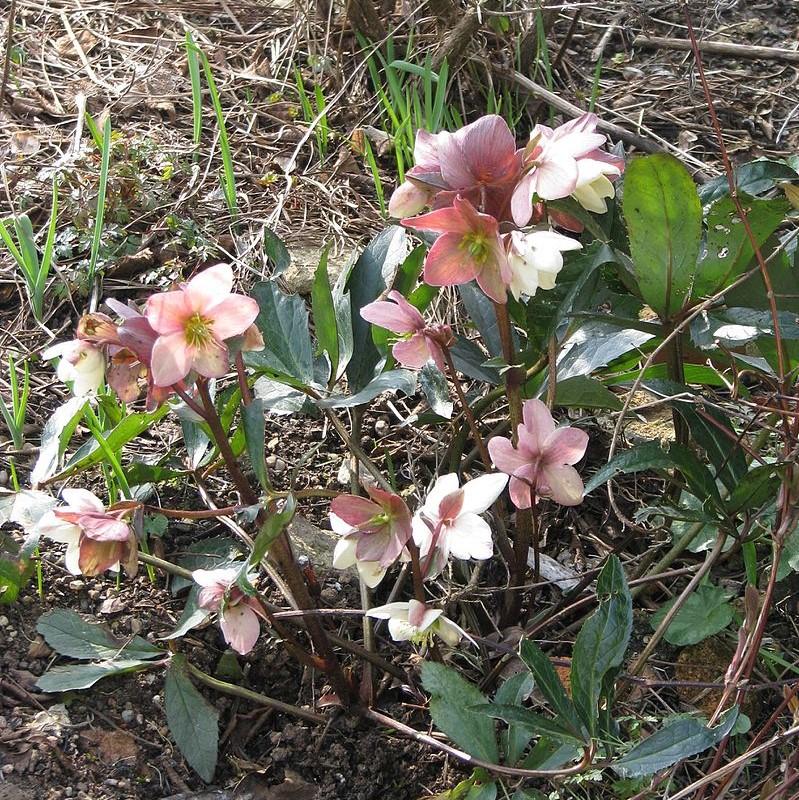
pixel 253 340
pixel 481 493
pixel 215 577
pixel 211 360
pixel 105 528
pixel 414 352
pixel 420 616
pixel 520 492
pixel 563 484
pixel 122 309
pixel 139 337
pixel 96 557
pixel 210 597
pixel 407 200
pixel 233 315
pixel 240 627
pixel 489 149
pixel 565 446
pixel 388 610
pixel 344 552
pixel 505 456
pixel 170 360
pixel 555 178
pixel 355 511
pixel 470 537
pixel 209 287
pixel 443 220
pixel 521 204
pixel 447 264
pixel 491 281
pixel 425 149
pixel 58 529
pixel 398 316
pixel 123 378
pixel 373 547
pixel 444 486
pixel 167 312
pixel 82 500
pixel 422 535
pixel 538 420
pixel 455 167
pixel 339 526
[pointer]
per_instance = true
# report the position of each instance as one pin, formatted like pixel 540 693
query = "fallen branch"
pixel 718 48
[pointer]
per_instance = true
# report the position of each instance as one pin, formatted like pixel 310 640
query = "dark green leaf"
pixel 471 361
pixel 82 676
pixel 213 553
pixel 278 398
pixel 410 270
pixel 254 424
pixel 637 459
pixel 513 692
pixel 602 641
pixel 753 178
pixel 275 525
pixel 283 322
pixel 70 635
pixel 397 380
pixel 705 613
pixel 372 274
pixel 276 252
pixel 547 681
pixel 193 721
pixel 139 473
pixel 525 718
pixel 682 739
pixel 482 315
pixel 664 223
pixel 191 617
pixel 324 313
pixel 436 389
pixel 581 391
pixel 550 754
pixel 451 697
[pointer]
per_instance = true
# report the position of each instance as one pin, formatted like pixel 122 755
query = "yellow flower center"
pixel 477 245
pixel 198 331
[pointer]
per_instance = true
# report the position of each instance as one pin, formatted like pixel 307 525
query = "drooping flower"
pixel 535 259
pixel 97 539
pixel 595 175
pixel 469 248
pixel 193 323
pixel 414 621
pixel 479 162
pixel 238 618
pixel 449 522
pixel 423 343
pixel 380 525
pixel 553 161
pixel 541 463
pixel 82 364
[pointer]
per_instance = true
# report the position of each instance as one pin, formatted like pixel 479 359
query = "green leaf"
pixel 530 720
pixel 664 223
pixel 584 392
pixel 82 676
pixel 409 272
pixel 482 315
pixel 324 313
pixel 682 739
pixel 56 434
pixel 451 697
pixel 254 424
pixel 193 721
pixel 212 553
pixel 372 274
pixel 550 754
pixel 471 360
pixel 191 617
pixel 727 248
pixel 649 455
pixel 16 567
pixel 436 389
pixel 138 473
pixel 516 738
pixel 704 613
pixel 600 646
pixel 283 322
pixel 70 635
pixel 397 380
pixel 276 253
pixel 548 682
pixel 753 178
pixel 275 525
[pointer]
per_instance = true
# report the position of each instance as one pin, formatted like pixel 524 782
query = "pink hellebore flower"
pixel 469 248
pixel 425 341
pixel 449 523
pixel 97 539
pixel 414 621
pixel 535 259
pixel 381 525
pixel 193 323
pixel 479 162
pixel 239 613
pixel 82 364
pixel 540 465
pixel 554 156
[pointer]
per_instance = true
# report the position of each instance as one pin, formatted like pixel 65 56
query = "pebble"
pixel 8 768
pixel 280 466
pixel 135 625
pixel 68 791
pixel 76 586
pixel 128 715
pixel 4 622
pixel 329 595
pixel 3 477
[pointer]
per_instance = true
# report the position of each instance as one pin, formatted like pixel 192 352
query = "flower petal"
pixel 444 485
pixel 565 446
pixel 520 493
pixel 371 573
pixel 167 312
pixel 97 556
pixel 538 420
pixel 479 494
pixel 82 500
pixel 209 288
pixel 104 528
pixel 240 627
pixel 564 484
pixel 470 537
pixel 211 360
pixel 233 315
pixel 505 456
pixel 353 510
pixel 414 352
pixel 446 264
pixel 344 552
pixel 407 200
pixel 170 362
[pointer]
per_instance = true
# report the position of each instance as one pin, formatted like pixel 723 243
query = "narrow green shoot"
pixel 322 129
pixel 14 416
pixel 105 160
pixel 369 157
pixel 595 85
pixel 196 91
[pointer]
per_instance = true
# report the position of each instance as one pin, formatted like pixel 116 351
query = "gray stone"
pixel 300 274
pixel 313 542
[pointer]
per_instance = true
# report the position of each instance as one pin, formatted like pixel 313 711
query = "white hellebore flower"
pixel 535 259
pixel 449 520
pixel 344 557
pixel 594 188
pixel 82 364
pixel 414 621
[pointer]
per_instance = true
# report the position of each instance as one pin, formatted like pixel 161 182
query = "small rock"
pixel 3 477
pixel 273 443
pixel 128 716
pixel 135 625
pixel 279 466
pixel 271 461
pixel 343 476
pixel 76 586
pixel 68 791
pixel 329 595
pixel 382 427
pixel 4 622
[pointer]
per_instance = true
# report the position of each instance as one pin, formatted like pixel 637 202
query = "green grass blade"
pixel 49 246
pixel 105 160
pixel 370 160
pixel 196 89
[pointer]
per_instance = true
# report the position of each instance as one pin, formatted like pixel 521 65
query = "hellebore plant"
pixel 414 621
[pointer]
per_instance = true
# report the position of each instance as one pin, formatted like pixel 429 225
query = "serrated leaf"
pixel 397 380
pixel 70 635
pixel 193 721
pixel 254 424
pixel 705 613
pixel 664 224
pixel 682 739
pixel 283 322
pixel 82 676
pixel 602 642
pixel 451 697
pixel 436 389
